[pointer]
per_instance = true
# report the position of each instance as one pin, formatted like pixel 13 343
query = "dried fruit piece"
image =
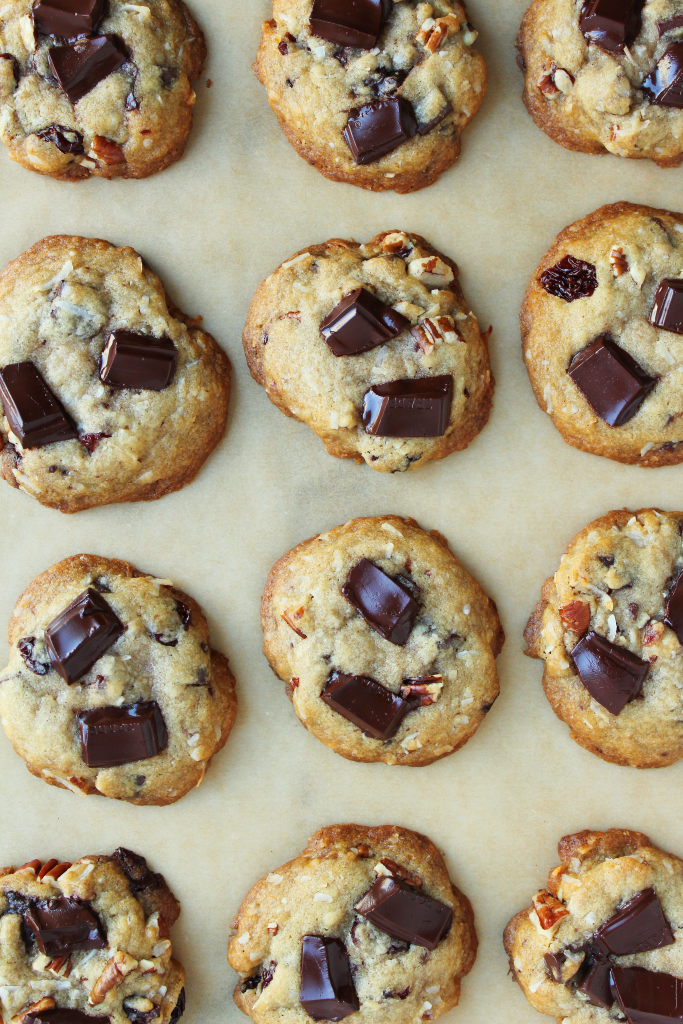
pixel 570 279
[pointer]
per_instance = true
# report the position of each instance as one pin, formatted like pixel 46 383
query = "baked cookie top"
pixel 386 643
pixel 97 88
pixel 370 343
pixel 88 941
pixel 111 685
pixel 606 77
pixel 131 396
pixel 609 627
pixel 584 952
pixel 398 958
pixel 375 94
pixel 601 324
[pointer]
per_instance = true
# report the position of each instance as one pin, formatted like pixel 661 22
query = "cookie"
pixel 374 912
pixel 89 87
pixel 602 942
pixel 87 942
pixel 374 347
pixel 387 645
pixel 111 685
pixel 606 77
pixel 609 628
pixel 375 93
pixel 110 393
pixel 601 323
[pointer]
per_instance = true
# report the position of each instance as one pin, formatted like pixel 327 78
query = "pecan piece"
pixel 107 151
pixel 618 261
pixel 549 910
pixel 576 616
pixel 653 633
pixel 116 969
pixel 434 31
pixel 33 1010
pixel 291 618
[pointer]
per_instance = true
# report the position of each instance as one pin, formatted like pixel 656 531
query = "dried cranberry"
pixel 91 441
pixel 26 647
pixel 570 279
pixel 267 974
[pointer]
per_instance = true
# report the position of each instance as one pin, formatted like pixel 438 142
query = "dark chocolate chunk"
pixel 611 24
pixel 611 381
pixel 554 963
pixel 67 140
pixel 62 925
pixel 118 735
pixel 185 614
pixel 611 674
pixel 33 413
pixel 16 67
pixel 139 361
pixel 349 22
pixel 667 309
pixel 141 1016
pixel 570 279
pixel 91 441
pixel 178 1009
pixel 136 869
pixel 638 926
pixel 378 128
pixel 674 608
pixel 366 703
pixel 665 85
pixel 62 1015
pixel 648 997
pixel 327 991
pixel 386 606
pixel 68 19
pixel 428 126
pixel 81 634
pixel 419 407
pixel 79 67
pixel 360 322
pixel 670 25
pixel 26 648
pixel 404 913
pixel 594 979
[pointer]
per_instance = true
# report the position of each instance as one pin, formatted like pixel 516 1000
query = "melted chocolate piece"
pixel 141 1016
pixel 16 67
pixel 138 361
pixel 33 413
pixel 611 24
pixel 61 1015
pixel 386 606
pixel 667 308
pixel 570 279
pixel 595 978
pixel 122 734
pixel 420 407
pixel 402 912
pixel 178 1009
pixel 366 703
pixel 327 991
pixel 185 614
pixel 136 869
pixel 670 25
pixel 81 634
pixel 648 997
pixel 360 322
pixel 554 963
pixel 62 925
pixel 349 22
pixel 611 381
pixel 378 128
pixel 68 19
pixel 26 646
pixel 638 926
pixel 67 140
pixel 79 67
pixel 428 126
pixel 674 608
pixel 610 673
pixel 665 85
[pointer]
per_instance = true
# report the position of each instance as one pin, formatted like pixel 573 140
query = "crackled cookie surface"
pixel 605 76
pixel 373 93
pixel 603 941
pixel 110 393
pixel 88 941
pixel 602 334
pixel 93 88
pixel 386 643
pixel 112 686
pixel 375 348
pixel 372 907
pixel 609 628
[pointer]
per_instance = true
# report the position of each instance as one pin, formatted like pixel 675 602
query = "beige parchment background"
pixel 213 226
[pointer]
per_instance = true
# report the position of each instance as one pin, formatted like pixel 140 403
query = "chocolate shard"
pixel 594 981
pixel 79 67
pixel 611 381
pixel 32 411
pixel 118 735
pixel 359 323
pixel 62 925
pixel 419 407
pixel 404 913
pixel 674 608
pixel 61 1015
pixel 355 23
pixel 327 991
pixel 665 85
pixel 667 308
pixel 386 606
pixel 366 703
pixel 138 361
pixel 377 128
pixel 611 24
pixel 81 634
pixel 570 279
pixel 670 25
pixel 67 140
pixel 611 674
pixel 68 19
pixel 428 126
pixel 648 997
pixel 638 926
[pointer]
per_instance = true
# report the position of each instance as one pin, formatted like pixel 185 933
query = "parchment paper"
pixel 213 226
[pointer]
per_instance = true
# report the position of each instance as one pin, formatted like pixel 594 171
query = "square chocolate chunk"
pixel 404 913
pixel 81 634
pixel 61 926
pixel 665 85
pixel 637 927
pixel 648 997
pixel 611 674
pixel 359 323
pixel 366 703
pixel 117 735
pixel 355 23
pixel 377 128
pixel 327 991
pixel 667 308
pixel 68 19
pixel 32 411
pixel 611 381
pixel 419 407
pixel 138 361
pixel 79 67
pixel 611 24
pixel 386 606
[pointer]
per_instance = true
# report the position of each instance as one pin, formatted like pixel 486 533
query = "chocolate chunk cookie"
pixel 603 941
pixel 111 685
pixel 88 942
pixel 609 627
pixel 110 393
pixel 386 644
pixel 374 93
pixel 606 75
pixel 374 347
pixel 365 921
pixel 89 87
pixel 602 326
